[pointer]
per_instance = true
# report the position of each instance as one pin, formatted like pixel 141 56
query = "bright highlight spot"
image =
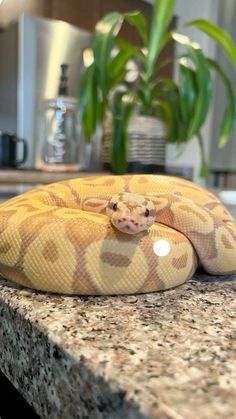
pixel 161 247
pixel 88 57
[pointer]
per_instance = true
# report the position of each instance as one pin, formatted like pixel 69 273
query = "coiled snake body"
pixel 114 235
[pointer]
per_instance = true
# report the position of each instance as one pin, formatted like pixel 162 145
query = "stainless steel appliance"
pixel 31 53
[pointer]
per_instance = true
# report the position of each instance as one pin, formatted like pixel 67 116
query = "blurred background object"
pixel 59 133
pixel 9 145
pixel 32 50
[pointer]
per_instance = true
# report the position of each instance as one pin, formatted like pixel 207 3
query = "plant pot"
pixel 146 145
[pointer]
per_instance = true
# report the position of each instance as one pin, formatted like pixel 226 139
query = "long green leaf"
pixel 161 17
pixel 203 80
pixel 88 99
pixel 204 83
pixel 106 31
pixel 171 100
pixel 219 35
pixel 122 109
pixel 103 42
pixel 167 114
pixel 203 169
pixel 138 20
pixel 229 113
pixel 117 65
pixel 187 91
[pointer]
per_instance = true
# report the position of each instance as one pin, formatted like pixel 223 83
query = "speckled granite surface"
pixel 162 355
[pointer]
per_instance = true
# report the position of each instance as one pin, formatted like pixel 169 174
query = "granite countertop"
pixel 162 355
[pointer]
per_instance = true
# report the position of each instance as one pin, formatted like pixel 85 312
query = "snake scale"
pixel 114 235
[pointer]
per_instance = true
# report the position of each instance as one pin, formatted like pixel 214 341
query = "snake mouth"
pixel 128 226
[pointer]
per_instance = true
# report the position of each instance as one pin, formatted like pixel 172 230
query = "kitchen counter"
pixel 167 355
pixel 16 181
pixel 161 355
pixel 34 177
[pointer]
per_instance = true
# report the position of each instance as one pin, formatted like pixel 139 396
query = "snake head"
pixel 131 213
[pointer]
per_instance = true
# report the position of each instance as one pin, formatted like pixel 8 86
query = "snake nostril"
pixel 124 219
pixel 136 224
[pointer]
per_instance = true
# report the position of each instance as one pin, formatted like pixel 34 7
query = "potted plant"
pixel 182 105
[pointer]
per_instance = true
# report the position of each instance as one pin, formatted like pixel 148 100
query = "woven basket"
pixel 146 143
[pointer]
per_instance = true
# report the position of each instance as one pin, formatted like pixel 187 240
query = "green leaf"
pixel 203 82
pixel 138 20
pixel 229 113
pixel 171 104
pixel 219 35
pixel 88 98
pixel 117 65
pixel 167 114
pixel 122 109
pixel 187 91
pixel 203 171
pixel 103 42
pixel 161 17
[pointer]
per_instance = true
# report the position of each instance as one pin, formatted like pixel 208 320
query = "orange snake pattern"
pixel 59 237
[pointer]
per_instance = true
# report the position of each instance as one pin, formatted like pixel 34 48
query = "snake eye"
pixel 114 207
pixel 146 212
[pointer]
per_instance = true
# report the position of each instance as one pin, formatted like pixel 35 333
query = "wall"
pixel 11 9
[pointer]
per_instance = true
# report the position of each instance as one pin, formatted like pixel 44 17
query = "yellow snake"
pixel 114 235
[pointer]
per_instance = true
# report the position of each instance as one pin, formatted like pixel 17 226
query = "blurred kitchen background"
pixel 38 36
